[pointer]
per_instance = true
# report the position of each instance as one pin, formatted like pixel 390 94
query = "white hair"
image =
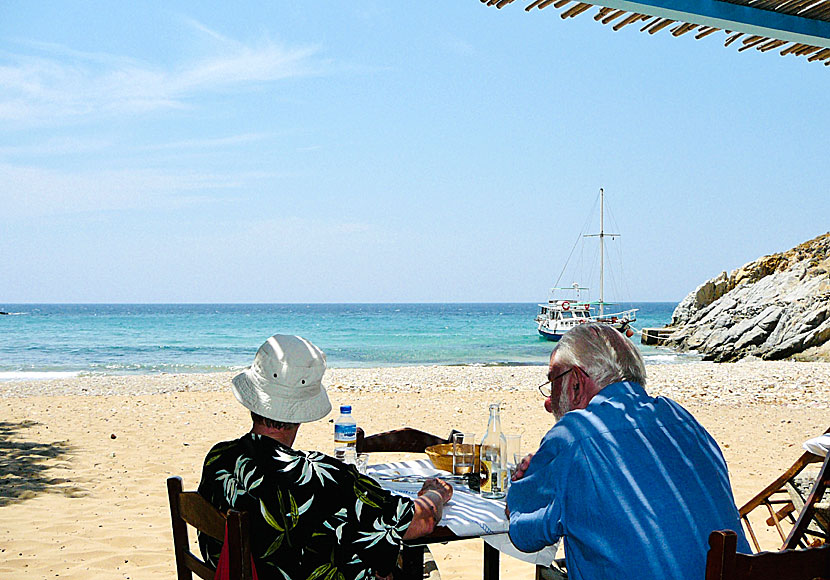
pixel 603 353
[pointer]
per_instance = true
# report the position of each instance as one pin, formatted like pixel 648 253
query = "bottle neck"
pixel 494 424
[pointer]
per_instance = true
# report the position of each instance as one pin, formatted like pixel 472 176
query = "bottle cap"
pixel 345 408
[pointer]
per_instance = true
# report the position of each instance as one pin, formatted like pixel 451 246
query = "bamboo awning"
pixel 797 27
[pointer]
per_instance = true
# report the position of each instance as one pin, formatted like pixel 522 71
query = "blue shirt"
pixel 634 485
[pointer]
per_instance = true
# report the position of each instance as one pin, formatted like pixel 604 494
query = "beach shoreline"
pixel 82 485
pixel 794 384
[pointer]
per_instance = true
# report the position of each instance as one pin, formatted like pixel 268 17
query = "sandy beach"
pixel 84 462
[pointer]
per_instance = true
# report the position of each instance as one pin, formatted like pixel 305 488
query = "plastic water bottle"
pixel 493 478
pixel 345 428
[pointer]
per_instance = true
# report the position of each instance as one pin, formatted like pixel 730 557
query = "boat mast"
pixel 601 251
pixel 601 236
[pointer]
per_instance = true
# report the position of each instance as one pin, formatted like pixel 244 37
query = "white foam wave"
pixel 658 358
pixel 36 375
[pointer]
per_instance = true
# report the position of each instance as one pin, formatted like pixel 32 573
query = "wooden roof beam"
pixel 730 15
pixel 807 50
pixel 655 28
pixel 822 55
pixel 575 10
pixel 772 44
pixel 613 16
pixel 819 12
pixel 682 29
pixel 733 38
pixel 752 41
pixel 650 22
pixel 538 4
pixel 705 31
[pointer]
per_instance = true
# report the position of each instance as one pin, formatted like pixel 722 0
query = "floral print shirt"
pixel 312 516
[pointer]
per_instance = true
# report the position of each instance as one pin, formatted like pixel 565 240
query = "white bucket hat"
pixel 284 383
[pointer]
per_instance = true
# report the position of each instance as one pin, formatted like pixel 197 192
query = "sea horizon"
pixel 60 340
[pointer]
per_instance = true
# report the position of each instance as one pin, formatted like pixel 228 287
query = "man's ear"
pixel 581 390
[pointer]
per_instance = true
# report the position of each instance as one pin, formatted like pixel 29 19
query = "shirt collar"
pixel 619 389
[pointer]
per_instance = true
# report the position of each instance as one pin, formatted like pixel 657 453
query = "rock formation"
pixel 773 308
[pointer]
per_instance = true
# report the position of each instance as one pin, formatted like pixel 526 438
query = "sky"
pixel 375 151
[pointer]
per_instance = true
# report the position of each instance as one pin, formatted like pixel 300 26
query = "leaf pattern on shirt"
pixel 391 530
pixel 308 465
pixel 240 481
pixel 311 516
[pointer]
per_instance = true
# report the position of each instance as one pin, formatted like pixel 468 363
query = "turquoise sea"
pixel 52 340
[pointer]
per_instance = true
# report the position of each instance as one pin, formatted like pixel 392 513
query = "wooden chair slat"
pixel 404 440
pixel 198 567
pixel 803 517
pixel 723 563
pixel 197 512
pixel 190 508
pixel 797 534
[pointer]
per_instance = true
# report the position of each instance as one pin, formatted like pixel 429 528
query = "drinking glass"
pixel 346 454
pixel 463 453
pixel 362 463
pixel 512 454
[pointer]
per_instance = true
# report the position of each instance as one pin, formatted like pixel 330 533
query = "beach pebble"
pixel 751 382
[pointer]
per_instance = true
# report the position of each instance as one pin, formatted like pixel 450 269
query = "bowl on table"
pixel 441 456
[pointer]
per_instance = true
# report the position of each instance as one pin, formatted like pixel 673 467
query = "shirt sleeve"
pixel 536 501
pixel 379 522
pixel 532 531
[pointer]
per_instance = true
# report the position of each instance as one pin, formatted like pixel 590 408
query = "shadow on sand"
pixel 24 465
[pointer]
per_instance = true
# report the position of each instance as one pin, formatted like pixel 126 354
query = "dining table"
pixel 468 515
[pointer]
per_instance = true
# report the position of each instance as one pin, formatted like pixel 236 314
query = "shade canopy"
pixel 796 27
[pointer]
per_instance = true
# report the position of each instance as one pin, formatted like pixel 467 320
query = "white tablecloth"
pixel 466 514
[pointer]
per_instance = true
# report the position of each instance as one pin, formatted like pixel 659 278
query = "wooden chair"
pixel 724 563
pixel 188 507
pixel 786 503
pixel 809 512
pixel 405 440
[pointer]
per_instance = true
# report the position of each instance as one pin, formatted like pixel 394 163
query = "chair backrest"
pixel 188 507
pixel 406 439
pixel 800 529
pixel 724 563
pixel 776 498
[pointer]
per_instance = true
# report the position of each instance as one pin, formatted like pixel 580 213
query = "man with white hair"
pixel 632 483
pixel 312 516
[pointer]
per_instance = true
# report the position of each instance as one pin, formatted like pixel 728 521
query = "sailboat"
pixel 558 316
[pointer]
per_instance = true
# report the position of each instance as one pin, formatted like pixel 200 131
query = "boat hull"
pixel 622 324
pixel 549 335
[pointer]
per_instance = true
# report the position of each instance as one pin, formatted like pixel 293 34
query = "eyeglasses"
pixel 546 387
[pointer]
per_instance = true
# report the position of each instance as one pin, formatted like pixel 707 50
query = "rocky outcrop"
pixel 773 308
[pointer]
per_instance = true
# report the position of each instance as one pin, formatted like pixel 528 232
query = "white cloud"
pixel 67 85
pixel 58 146
pixel 459 46
pixel 209 143
pixel 33 191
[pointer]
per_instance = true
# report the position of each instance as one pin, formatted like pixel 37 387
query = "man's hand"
pixel 429 507
pixel 442 487
pixel 521 468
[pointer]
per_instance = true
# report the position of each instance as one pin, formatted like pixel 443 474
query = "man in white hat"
pixel 311 514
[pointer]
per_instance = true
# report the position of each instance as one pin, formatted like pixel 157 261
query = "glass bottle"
pixel 345 428
pixel 492 469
